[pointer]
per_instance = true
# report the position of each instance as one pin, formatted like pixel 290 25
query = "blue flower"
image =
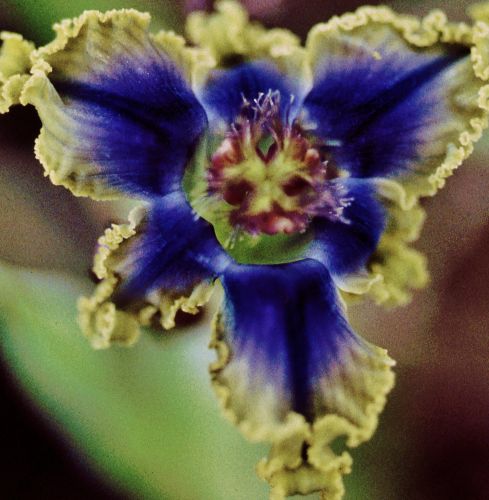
pixel 290 175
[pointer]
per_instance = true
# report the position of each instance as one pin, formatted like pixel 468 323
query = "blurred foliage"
pixel 145 416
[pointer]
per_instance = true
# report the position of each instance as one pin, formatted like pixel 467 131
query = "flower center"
pixel 270 172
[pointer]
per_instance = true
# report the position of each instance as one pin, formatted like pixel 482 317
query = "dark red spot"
pixel 295 186
pixel 236 193
pixel 276 221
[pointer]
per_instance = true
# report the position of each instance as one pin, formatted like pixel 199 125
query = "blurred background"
pixel 143 423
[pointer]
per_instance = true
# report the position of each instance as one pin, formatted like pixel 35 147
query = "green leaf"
pixel 145 417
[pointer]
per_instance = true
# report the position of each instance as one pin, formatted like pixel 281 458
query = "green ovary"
pixel 245 248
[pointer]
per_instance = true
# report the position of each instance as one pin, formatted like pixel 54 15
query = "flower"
pixel 291 175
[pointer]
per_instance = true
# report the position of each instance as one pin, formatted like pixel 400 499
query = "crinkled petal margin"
pixel 395 269
pixel 427 32
pixel 301 460
pixel 101 36
pixel 288 469
pixel 229 35
pixel 14 68
pixel 99 318
pixel 480 54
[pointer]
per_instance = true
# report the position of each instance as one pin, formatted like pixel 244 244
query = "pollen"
pixel 270 171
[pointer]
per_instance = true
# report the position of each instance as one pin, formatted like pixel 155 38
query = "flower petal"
pixel 367 250
pixel 230 37
pixel 394 269
pixel 117 112
pixel 394 96
pixel 344 245
pixel 250 60
pixel 291 371
pixel 225 32
pixel 306 478
pixel 14 67
pixel 479 11
pixel 225 90
pixel 162 261
pixel 402 269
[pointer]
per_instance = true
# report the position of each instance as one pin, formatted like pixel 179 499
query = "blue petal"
pixel 225 89
pixel 286 332
pixel 380 112
pixel 117 113
pixel 345 245
pixel 173 252
pixel 140 142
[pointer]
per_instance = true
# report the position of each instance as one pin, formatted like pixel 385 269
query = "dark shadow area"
pixel 36 462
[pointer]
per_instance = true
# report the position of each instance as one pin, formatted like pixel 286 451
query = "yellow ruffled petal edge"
pixel 395 269
pixel 479 12
pixel 14 68
pixel 83 45
pixel 301 460
pixel 228 33
pixel 423 33
pixel 100 320
pixel 111 29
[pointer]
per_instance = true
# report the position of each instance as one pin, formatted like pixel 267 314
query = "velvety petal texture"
pixel 241 48
pixel 174 252
pixel 226 91
pixel 395 97
pixel 345 245
pixel 288 359
pixel 118 114
pixel 164 260
pixel 380 106
pixel 384 108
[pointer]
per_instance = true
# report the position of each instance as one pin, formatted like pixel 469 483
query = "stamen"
pixel 230 243
pixel 334 143
pixel 270 174
pixel 288 108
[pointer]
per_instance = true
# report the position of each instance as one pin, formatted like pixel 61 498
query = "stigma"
pixel 272 174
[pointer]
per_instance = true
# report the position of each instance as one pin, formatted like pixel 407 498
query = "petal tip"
pixel 15 64
pixel 347 394
pixel 104 325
